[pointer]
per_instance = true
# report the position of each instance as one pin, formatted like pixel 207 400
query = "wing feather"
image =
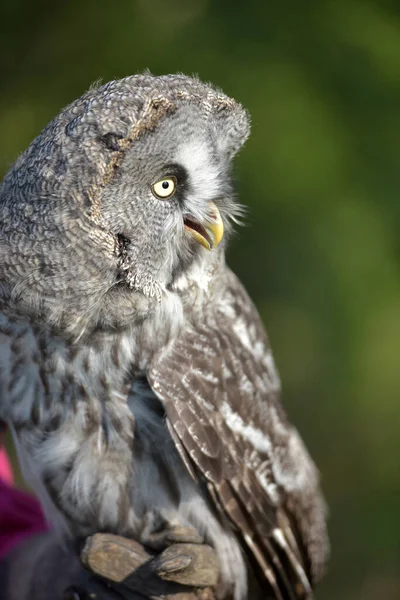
pixel 220 390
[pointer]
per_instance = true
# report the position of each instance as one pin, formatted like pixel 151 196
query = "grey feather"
pixel 134 369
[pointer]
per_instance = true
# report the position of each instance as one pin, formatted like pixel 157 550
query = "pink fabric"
pixel 20 513
pixel 5 467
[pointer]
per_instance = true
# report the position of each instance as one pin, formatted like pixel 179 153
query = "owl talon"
pixel 194 565
pixel 128 567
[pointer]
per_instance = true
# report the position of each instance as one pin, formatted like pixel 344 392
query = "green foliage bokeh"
pixel 320 174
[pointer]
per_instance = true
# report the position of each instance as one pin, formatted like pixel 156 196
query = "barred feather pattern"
pixel 135 372
pixel 97 438
pixel 94 443
pixel 221 390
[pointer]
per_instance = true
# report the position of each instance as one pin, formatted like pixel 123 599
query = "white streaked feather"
pixel 277 534
pixel 259 440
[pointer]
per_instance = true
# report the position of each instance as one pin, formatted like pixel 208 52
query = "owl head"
pixel 122 194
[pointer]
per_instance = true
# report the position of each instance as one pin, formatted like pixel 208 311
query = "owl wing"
pixel 220 390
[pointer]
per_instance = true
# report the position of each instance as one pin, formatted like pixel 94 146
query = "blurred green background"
pixel 320 173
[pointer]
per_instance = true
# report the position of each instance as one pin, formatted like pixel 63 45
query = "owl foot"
pixel 180 569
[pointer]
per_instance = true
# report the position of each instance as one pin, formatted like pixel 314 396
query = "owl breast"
pixel 94 440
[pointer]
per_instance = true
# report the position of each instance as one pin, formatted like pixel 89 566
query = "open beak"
pixel 210 233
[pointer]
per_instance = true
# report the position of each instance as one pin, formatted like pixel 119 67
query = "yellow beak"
pixel 210 233
pixel 216 226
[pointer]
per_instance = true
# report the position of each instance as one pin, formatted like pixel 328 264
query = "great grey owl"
pixel 135 371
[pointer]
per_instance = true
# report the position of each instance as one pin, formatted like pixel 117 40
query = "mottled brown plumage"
pixel 134 370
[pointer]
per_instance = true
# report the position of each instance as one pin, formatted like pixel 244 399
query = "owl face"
pixel 123 192
pixel 171 200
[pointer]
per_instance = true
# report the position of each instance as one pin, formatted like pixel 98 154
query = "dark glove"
pixel 41 568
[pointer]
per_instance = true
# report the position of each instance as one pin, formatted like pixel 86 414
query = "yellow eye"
pixel 164 188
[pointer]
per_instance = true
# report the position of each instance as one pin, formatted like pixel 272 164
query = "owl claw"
pixel 128 567
pixel 194 565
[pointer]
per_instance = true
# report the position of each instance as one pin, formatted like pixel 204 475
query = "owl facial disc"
pixel 210 233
